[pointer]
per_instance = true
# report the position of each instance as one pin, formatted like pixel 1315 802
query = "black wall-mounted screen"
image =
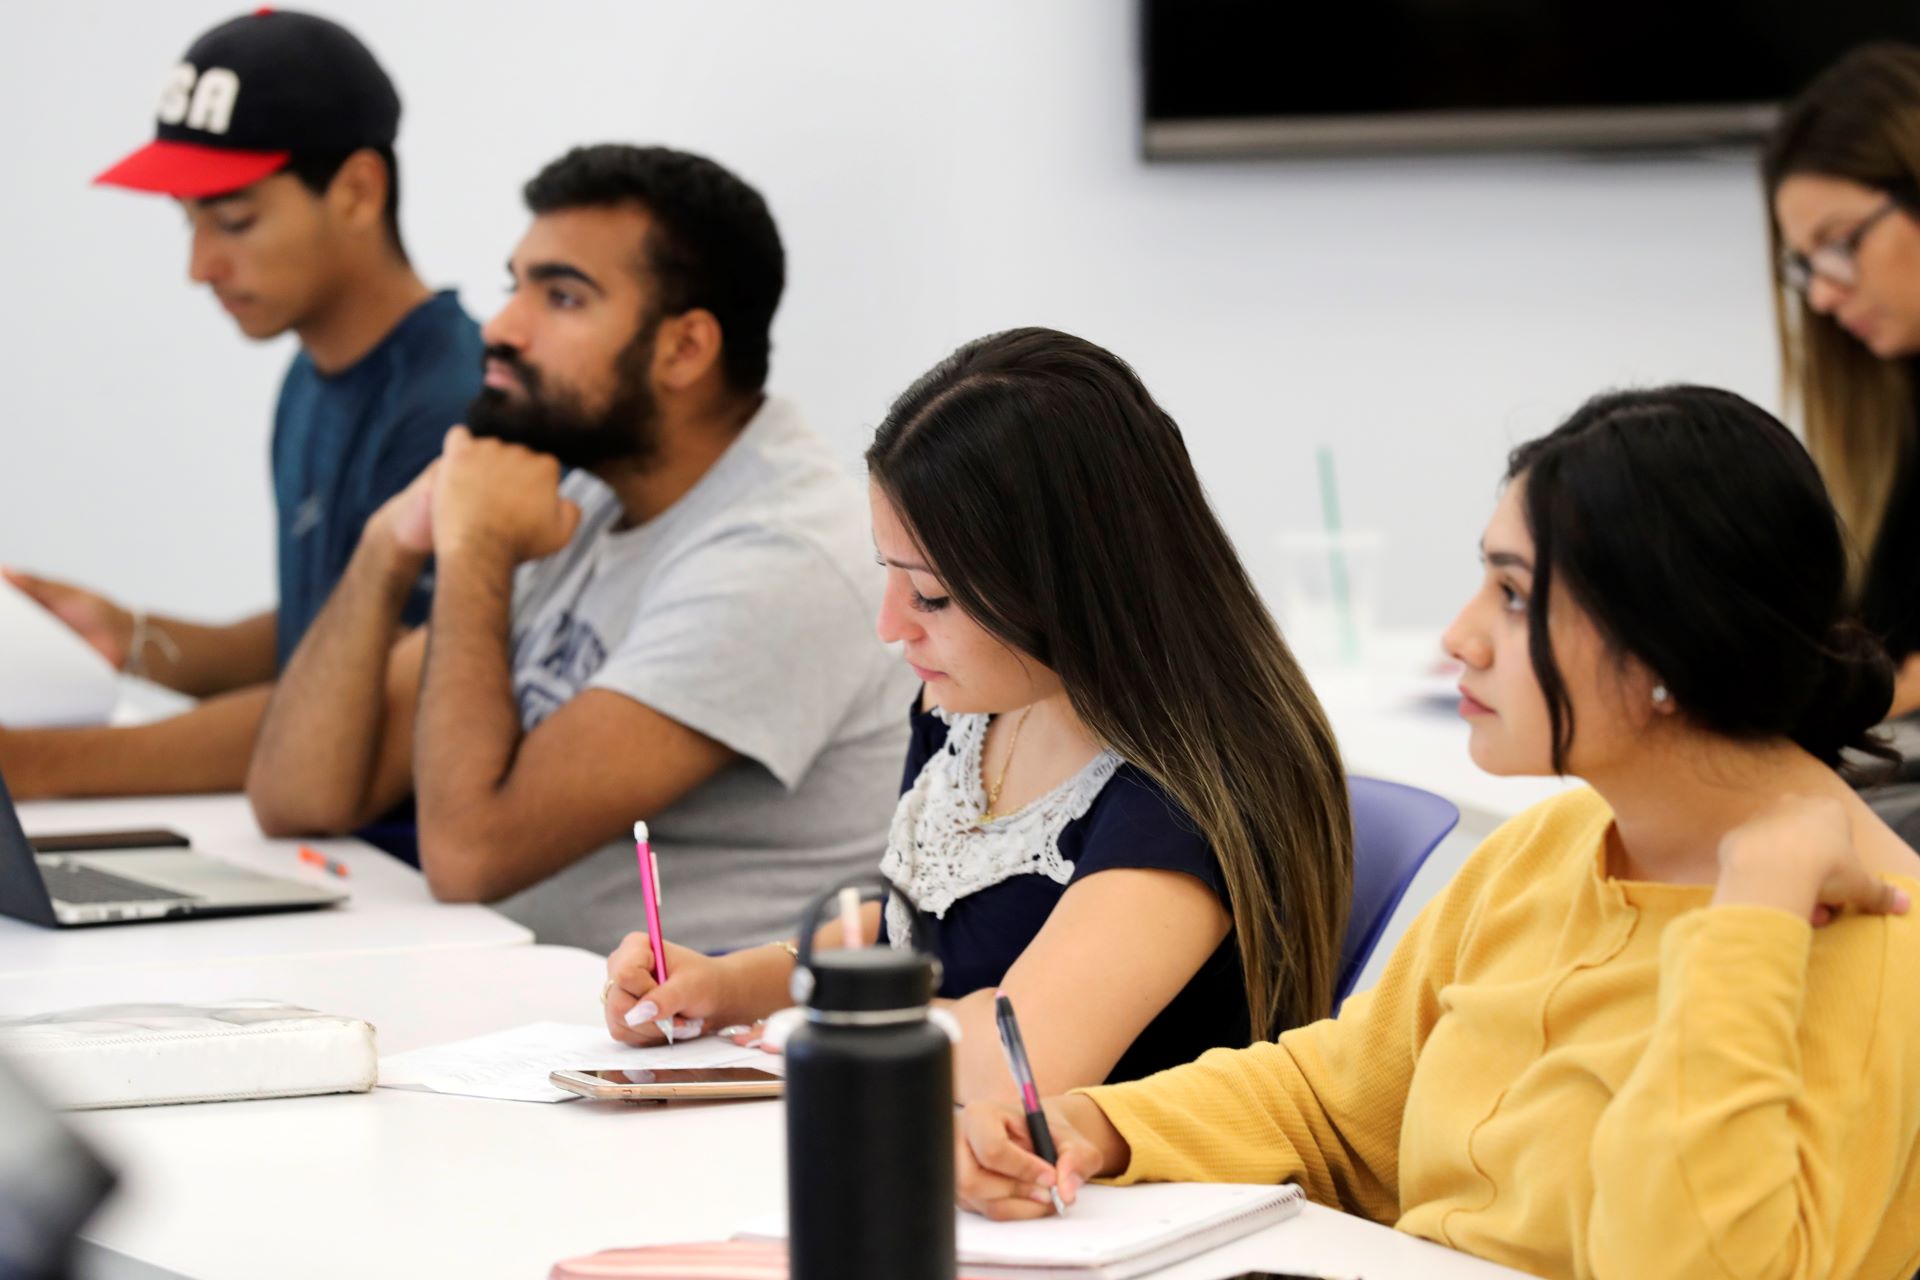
pixel 1278 76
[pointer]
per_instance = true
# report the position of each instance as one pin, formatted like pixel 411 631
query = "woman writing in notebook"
pixel 1842 172
pixel 1122 801
pixel 1664 1026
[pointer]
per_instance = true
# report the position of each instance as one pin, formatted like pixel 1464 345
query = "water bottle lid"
pixel 879 980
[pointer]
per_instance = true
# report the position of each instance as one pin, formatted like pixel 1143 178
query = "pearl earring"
pixel 1660 695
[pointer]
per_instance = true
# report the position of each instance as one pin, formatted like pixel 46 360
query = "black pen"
pixel 1016 1050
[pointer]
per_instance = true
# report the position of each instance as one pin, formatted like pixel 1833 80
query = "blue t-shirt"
pixel 344 443
pixel 1132 822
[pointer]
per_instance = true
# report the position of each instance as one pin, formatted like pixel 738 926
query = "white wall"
pixel 938 171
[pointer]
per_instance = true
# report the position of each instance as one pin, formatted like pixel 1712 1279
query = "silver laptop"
pixel 122 877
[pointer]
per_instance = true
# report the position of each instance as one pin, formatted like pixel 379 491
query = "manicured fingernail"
pixel 1074 1183
pixel 1039 1196
pixel 737 1029
pixel 690 1028
pixel 645 1011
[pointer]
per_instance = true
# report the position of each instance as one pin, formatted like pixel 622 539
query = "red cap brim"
pixel 192 172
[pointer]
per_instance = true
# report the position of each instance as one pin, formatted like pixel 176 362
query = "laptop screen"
pixel 23 894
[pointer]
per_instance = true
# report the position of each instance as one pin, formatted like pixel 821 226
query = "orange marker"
pixel 315 858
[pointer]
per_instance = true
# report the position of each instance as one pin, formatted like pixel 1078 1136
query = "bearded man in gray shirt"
pixel 678 630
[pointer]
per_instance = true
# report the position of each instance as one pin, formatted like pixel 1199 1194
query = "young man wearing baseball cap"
pixel 276 136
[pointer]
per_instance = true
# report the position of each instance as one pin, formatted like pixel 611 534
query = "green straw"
pixel 1337 558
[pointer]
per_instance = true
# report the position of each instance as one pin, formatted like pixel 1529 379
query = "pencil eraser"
pixel 640 832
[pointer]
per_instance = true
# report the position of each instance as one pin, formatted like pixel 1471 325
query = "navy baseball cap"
pixel 252 92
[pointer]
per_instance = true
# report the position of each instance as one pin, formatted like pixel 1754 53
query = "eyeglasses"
pixel 1834 261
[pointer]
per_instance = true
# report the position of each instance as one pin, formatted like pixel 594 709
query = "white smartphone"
pixel 666 1084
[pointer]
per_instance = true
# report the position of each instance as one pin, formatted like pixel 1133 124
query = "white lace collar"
pixel 940 850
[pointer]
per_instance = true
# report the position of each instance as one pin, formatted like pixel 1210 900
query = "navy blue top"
pixel 344 443
pixel 1131 823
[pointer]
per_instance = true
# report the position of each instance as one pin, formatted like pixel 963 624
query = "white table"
pixel 397 1183
pixel 1332 1243
pixel 389 907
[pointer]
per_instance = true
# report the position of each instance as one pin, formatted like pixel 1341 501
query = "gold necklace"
pixel 1013 744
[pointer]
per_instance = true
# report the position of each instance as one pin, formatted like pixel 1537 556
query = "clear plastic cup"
pixel 1329 594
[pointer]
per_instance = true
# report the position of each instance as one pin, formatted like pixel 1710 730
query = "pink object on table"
pixel 650 897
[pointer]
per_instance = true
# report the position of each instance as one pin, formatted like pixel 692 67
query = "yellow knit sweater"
pixel 1585 1077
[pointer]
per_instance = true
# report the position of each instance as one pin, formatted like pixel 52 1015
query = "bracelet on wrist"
pixel 135 663
pixel 144 634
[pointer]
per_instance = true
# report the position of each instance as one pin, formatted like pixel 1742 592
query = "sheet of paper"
pixel 513 1065
pixel 1111 1222
pixel 1106 1223
pixel 48 675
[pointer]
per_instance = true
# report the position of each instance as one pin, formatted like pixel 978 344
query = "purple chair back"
pixel 1395 827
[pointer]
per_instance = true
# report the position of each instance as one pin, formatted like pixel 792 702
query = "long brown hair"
pixel 1860 121
pixel 1056 502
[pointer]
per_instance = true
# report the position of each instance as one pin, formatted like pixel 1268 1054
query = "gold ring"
pixel 606 991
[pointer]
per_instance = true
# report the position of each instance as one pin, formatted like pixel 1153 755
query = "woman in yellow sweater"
pixel 1665 1026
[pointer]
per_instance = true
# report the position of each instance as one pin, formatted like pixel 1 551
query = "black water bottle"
pixel 869 1113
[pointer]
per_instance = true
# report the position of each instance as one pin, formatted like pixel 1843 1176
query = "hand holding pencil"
pixel 997 1173
pixel 637 1003
pixel 1039 1136
pixel 641 969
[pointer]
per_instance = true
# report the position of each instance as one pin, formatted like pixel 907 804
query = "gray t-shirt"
pixel 746 612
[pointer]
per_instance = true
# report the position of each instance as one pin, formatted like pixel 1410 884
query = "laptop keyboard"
pixel 70 882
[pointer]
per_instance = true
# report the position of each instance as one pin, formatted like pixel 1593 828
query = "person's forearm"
pixel 1254 1115
pixel 202 660
pixel 980 1072
pixel 315 760
pixel 468 723
pixel 201 750
pixel 1906 688
pixel 761 980
pixel 1085 1115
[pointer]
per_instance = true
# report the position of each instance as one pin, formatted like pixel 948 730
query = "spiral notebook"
pixel 1110 1233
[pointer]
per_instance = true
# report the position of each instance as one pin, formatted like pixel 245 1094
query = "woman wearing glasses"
pixel 1842 171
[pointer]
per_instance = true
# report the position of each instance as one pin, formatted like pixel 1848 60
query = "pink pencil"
pixel 650 899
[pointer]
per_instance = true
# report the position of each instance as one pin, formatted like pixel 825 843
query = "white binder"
pixel 137 1055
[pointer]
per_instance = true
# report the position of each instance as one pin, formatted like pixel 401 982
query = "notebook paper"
pixel 1112 1232
pixel 1108 1224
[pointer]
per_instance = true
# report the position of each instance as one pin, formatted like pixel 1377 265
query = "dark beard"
pixel 555 421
